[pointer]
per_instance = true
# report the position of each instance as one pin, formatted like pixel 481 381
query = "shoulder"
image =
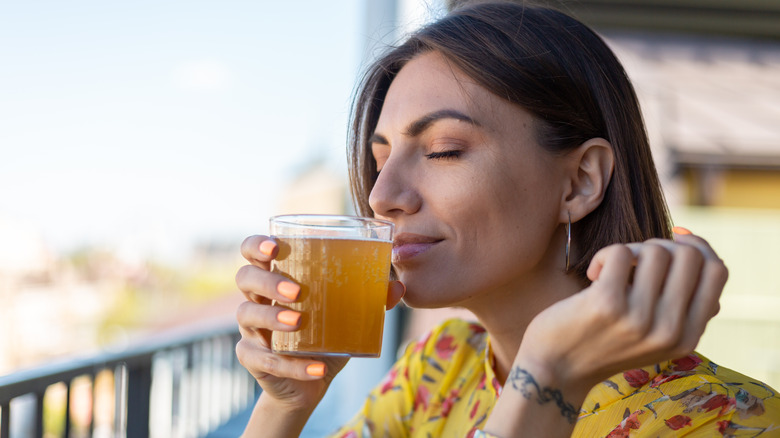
pixel 747 399
pixel 697 368
pixel 685 394
pixel 739 402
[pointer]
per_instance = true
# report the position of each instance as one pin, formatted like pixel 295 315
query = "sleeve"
pixel 728 413
pixel 388 407
pixel 751 407
pixel 710 401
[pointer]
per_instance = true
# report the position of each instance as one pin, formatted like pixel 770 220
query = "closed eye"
pixel 443 155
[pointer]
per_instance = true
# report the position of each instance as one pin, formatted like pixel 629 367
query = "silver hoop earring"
pixel 568 241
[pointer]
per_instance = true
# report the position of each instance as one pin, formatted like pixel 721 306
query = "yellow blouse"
pixel 444 386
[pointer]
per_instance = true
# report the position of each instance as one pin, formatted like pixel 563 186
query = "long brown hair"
pixel 564 74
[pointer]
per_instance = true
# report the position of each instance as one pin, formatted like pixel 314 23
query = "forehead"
pixel 429 82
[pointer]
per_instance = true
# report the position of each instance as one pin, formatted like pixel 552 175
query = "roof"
pixel 744 18
pixel 707 101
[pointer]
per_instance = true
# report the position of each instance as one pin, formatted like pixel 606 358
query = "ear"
pixel 590 171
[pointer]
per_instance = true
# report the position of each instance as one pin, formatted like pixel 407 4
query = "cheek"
pixel 483 216
pixel 510 220
pixel 465 202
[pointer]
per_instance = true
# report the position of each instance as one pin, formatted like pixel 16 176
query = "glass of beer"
pixel 342 264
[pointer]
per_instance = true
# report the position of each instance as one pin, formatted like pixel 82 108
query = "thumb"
pixel 395 291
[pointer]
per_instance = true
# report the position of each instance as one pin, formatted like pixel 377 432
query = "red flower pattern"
pixel 496 386
pixel 422 398
pixel 474 410
pixel 678 422
pixel 482 381
pixel 623 430
pixel 636 378
pixel 476 328
pixel 387 383
pixel 722 401
pixel 686 363
pixel 632 422
pixel 446 405
pixel 420 345
pixel 445 347
pixel 725 428
pixel 663 378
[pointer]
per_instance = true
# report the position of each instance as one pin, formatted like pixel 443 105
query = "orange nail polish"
pixel 316 369
pixel 289 317
pixel 288 290
pixel 681 231
pixel 267 247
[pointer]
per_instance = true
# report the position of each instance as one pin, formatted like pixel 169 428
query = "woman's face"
pixel 476 202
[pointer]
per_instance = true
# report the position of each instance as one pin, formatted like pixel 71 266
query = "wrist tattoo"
pixel 524 382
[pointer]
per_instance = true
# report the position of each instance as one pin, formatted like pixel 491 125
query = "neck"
pixel 506 313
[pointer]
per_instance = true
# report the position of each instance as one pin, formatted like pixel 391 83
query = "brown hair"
pixel 564 74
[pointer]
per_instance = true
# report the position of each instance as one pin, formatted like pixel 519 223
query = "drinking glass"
pixel 342 264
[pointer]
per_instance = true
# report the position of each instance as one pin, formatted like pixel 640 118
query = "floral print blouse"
pixel 444 386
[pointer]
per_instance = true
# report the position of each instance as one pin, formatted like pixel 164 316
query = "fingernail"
pixel 289 317
pixel 289 290
pixel 316 369
pixel 681 231
pixel 267 247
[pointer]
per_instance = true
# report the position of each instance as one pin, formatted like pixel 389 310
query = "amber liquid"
pixel 343 295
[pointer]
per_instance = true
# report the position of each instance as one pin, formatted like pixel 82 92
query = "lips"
pixel 407 246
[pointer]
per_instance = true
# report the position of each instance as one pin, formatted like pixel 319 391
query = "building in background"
pixel 318 188
pixel 712 107
pixel 46 308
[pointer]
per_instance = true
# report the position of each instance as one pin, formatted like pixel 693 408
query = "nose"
pixel 394 192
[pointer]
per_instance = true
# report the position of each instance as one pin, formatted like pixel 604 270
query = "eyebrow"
pixel 418 126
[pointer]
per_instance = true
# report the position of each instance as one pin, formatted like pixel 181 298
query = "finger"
pixel 260 316
pixel 714 275
pixel 258 284
pixel 696 241
pixel 680 289
pixel 262 337
pixel 264 364
pixel 259 250
pixel 395 291
pixel 613 265
pixel 706 302
pixel 652 265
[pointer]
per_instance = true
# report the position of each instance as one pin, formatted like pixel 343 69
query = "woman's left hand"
pixel 648 302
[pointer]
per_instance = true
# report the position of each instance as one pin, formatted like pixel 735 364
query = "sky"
pixel 156 124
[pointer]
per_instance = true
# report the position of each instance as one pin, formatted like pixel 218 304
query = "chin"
pixel 426 297
pixel 420 304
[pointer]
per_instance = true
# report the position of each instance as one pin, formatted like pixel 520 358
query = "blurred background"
pixel 140 142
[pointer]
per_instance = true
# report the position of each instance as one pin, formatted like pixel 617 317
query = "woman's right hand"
pixel 298 383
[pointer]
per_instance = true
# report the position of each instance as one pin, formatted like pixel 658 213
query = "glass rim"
pixel 310 218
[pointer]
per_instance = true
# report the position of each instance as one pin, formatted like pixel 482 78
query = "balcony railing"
pixel 177 386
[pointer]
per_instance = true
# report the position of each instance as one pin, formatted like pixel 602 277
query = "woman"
pixel 506 144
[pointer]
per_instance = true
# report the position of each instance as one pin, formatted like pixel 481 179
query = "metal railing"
pixel 173 386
